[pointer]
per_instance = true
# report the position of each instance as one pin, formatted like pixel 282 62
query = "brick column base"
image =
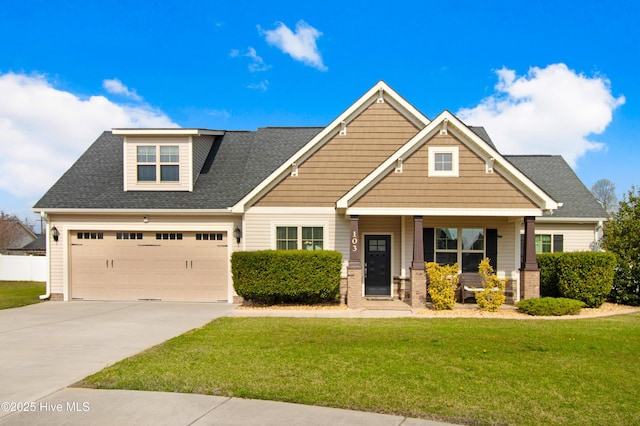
pixel 418 288
pixel 354 288
pixel 529 284
pixel 343 290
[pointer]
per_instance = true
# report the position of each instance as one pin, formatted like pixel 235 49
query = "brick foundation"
pixel 56 297
pixel 529 284
pixel 344 286
pixel 354 288
pixel 418 288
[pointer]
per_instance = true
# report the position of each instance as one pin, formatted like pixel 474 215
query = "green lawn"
pixel 20 293
pixel 475 371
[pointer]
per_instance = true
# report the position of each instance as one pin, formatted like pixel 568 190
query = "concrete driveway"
pixel 51 345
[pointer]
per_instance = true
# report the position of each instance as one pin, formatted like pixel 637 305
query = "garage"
pixel 159 265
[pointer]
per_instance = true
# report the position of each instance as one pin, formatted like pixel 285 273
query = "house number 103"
pixel 354 241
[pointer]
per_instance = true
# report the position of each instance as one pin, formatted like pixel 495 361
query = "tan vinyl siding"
pixel 473 188
pixel 576 236
pixel 345 160
pixel 131 171
pixel 201 147
pixel 60 251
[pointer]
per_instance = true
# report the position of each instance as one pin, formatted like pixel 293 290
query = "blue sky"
pixel 543 77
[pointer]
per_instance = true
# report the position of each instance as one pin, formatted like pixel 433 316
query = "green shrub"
pixel 443 281
pixel 550 306
pixel 492 296
pixel 273 276
pixel 586 276
pixel 548 263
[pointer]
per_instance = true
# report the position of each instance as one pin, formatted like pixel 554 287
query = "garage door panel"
pixel 172 269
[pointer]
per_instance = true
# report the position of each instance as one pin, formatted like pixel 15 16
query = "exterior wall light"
pixel 145 219
pixel 55 234
pixel 237 233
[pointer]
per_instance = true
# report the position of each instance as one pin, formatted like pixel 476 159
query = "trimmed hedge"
pixel 550 306
pixel 586 276
pixel 548 263
pixel 280 276
pixel 580 275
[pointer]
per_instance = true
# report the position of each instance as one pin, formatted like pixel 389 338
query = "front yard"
pixel 461 370
pixel 20 293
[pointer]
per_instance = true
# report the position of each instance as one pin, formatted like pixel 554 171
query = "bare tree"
pixel 9 230
pixel 605 192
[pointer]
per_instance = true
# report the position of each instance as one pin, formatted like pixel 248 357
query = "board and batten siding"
pixel 473 188
pixel 201 147
pixel 576 236
pixel 60 251
pixel 343 161
pixel 131 162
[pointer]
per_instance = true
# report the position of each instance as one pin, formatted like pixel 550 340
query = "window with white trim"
pixel 148 164
pixel 465 246
pixel 299 237
pixel 543 244
pixel 443 161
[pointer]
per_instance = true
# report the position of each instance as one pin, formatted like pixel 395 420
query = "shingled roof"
pixel 237 162
pixel 240 160
pixel 554 176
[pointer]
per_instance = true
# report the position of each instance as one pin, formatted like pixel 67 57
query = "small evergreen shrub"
pixel 548 263
pixel 443 281
pixel 492 297
pixel 550 306
pixel 280 276
pixel 586 276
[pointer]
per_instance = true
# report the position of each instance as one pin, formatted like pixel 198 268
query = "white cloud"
pixel 43 130
pixel 263 85
pixel 300 45
pixel 116 87
pixel 551 110
pixel 257 63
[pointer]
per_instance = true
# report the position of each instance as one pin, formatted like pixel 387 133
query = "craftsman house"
pixel 155 214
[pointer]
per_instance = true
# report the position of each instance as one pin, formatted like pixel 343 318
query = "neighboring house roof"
pixel 40 243
pixel 555 177
pixel 238 161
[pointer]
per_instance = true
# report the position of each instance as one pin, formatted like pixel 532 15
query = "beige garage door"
pixel 172 266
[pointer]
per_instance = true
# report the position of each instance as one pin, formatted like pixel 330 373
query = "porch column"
pixel 529 271
pixel 418 275
pixel 354 269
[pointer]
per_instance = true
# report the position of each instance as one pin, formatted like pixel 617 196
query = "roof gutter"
pixel 194 212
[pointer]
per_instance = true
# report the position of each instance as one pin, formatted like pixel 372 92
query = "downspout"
pixel 48 254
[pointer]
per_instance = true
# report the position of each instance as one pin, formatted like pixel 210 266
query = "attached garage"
pixel 131 265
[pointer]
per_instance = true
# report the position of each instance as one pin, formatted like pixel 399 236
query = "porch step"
pixel 385 305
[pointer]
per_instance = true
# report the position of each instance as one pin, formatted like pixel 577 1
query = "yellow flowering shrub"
pixel 492 296
pixel 443 281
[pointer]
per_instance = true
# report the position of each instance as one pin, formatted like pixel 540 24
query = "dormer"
pixel 164 159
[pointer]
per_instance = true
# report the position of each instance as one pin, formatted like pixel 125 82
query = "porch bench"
pixel 469 284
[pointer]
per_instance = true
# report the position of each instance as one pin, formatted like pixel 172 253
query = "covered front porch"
pixel 387 255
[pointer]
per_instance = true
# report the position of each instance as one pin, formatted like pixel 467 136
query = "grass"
pixel 473 371
pixel 14 294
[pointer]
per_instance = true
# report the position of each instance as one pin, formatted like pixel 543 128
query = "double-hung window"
pixel 299 237
pixel 148 164
pixel 465 246
pixel 543 243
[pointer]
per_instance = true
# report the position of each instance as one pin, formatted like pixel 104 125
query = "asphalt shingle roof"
pixel 554 176
pixel 240 160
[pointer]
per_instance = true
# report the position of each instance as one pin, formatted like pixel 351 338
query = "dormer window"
pixel 168 165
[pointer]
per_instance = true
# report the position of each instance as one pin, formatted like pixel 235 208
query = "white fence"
pixel 23 268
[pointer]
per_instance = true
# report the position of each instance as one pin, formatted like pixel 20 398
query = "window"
pixel 90 235
pixel 465 246
pixel 208 237
pixel 169 236
pixel 286 238
pixel 543 244
pixel 128 236
pixel 443 161
pixel 148 164
pixel 303 237
pixel 312 238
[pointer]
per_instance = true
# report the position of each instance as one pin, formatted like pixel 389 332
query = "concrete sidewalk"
pixel 120 407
